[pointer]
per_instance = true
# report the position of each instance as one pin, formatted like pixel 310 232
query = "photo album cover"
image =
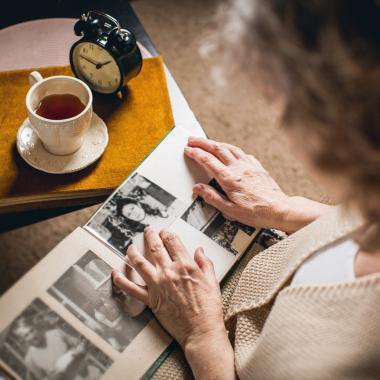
pixel 65 320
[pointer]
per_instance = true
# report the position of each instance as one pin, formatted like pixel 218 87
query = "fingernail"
pixel 115 272
pixel 130 249
pixel 147 228
pixel 163 232
pixel 197 189
pixel 187 150
pixel 115 275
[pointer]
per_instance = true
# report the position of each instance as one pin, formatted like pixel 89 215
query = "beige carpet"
pixel 237 114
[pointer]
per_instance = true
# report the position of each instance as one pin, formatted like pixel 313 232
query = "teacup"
pixel 65 136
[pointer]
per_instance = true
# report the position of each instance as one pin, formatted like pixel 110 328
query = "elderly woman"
pixel 308 307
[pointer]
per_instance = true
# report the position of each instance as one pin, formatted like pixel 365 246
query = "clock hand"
pixel 89 60
pixel 100 65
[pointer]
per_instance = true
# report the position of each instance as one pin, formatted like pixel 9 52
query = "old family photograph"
pixel 140 202
pixel 86 290
pixel 39 344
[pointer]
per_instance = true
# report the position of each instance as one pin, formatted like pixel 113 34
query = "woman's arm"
pixel 252 196
pixel 211 357
pixel 299 212
pixel 183 293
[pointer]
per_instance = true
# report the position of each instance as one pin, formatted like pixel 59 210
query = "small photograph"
pixel 229 234
pixel 39 344
pixel 86 290
pixel 199 214
pixel 138 203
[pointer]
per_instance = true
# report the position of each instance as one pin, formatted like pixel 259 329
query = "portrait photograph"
pixel 39 344
pixel 137 204
pixel 229 234
pixel 86 290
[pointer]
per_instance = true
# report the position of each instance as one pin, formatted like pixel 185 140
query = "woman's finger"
pixel 142 266
pixel 128 272
pixel 213 197
pixel 130 287
pixel 219 150
pixel 156 248
pixel 207 161
pixel 204 263
pixel 237 152
pixel 174 246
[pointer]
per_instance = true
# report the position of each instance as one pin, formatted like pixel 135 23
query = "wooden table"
pixel 30 10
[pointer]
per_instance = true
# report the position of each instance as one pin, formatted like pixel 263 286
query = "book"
pixel 136 124
pixel 65 320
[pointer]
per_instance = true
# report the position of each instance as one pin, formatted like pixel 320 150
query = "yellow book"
pixel 136 124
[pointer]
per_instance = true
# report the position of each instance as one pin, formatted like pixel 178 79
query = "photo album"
pixel 65 320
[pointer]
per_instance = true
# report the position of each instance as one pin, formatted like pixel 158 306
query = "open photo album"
pixel 65 320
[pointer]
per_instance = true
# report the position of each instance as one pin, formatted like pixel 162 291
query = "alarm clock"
pixel 107 56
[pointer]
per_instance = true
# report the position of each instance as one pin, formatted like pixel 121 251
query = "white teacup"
pixel 64 136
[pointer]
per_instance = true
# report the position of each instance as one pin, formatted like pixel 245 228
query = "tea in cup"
pixel 60 111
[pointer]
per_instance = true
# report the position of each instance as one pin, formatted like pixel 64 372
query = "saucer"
pixel 33 152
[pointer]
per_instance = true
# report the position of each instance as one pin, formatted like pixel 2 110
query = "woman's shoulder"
pixel 313 325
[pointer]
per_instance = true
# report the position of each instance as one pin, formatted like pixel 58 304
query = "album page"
pixel 159 194
pixel 64 319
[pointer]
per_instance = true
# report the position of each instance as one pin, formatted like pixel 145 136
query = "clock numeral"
pixel 116 80
pixel 84 67
pixel 91 47
pixel 85 50
pixel 100 81
pixel 91 75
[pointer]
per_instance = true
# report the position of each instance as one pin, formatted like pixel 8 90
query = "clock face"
pixel 96 66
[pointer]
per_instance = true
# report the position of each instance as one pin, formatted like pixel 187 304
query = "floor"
pixel 236 113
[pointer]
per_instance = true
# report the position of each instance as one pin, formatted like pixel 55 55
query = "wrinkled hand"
pixel 182 292
pixel 253 197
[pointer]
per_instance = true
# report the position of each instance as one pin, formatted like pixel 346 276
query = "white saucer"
pixel 33 152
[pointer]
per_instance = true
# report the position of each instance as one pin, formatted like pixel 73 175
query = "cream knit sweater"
pixel 303 332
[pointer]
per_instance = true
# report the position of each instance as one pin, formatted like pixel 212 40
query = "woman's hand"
pixel 252 195
pixel 184 295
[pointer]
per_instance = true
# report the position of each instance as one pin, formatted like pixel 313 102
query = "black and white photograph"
pixel 229 234
pixel 137 204
pixel 199 214
pixel 87 291
pixel 39 344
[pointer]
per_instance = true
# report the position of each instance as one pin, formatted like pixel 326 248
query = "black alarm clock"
pixel 107 56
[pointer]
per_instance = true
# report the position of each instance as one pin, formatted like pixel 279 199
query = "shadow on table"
pixel 31 181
